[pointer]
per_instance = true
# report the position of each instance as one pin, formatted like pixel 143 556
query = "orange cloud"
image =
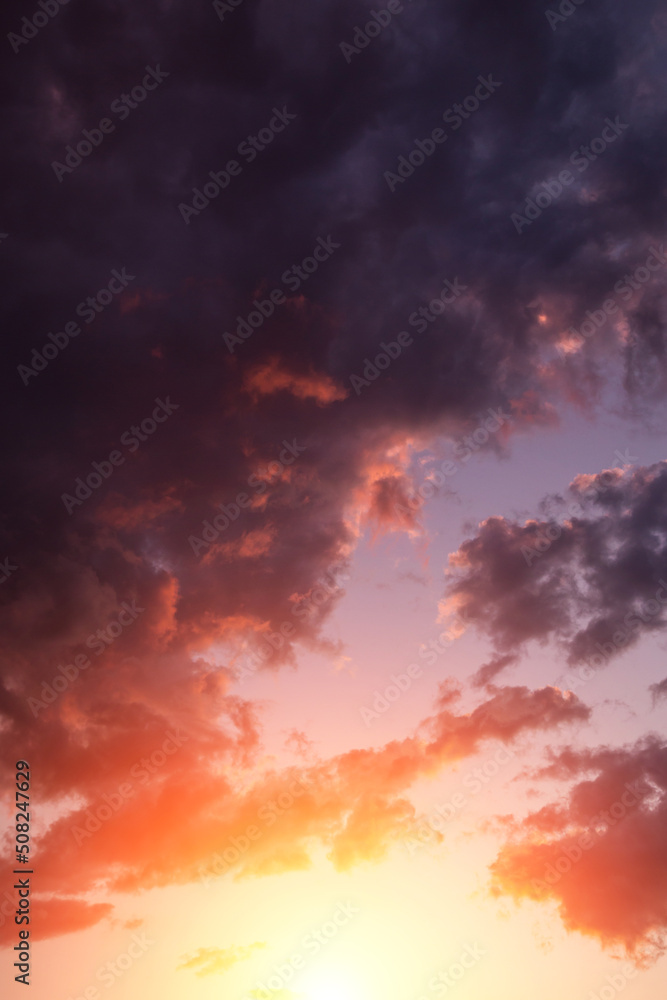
pixel 50 917
pixel 119 513
pixel 154 819
pixel 271 376
pixel 601 855
pixel 385 496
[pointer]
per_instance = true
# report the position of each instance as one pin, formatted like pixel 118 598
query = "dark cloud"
pixel 593 581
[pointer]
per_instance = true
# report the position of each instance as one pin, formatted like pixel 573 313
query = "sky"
pixel 333 563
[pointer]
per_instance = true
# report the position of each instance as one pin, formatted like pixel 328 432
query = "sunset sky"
pixel 334 526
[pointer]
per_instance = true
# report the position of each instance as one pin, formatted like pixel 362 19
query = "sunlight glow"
pixel 338 986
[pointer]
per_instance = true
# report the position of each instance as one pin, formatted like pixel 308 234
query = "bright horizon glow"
pixel 331 985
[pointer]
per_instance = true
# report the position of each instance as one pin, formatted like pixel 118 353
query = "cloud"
pixel 160 820
pixel 659 691
pixel 52 916
pixel 599 852
pixel 271 377
pixel 488 672
pixel 321 179
pixel 299 743
pixel 209 961
pixel 593 582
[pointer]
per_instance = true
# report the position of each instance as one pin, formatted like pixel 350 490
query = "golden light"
pixel 328 985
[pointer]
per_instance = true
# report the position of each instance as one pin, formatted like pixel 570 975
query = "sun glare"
pixel 332 987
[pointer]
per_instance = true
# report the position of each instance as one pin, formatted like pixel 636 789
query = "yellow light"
pixel 330 986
